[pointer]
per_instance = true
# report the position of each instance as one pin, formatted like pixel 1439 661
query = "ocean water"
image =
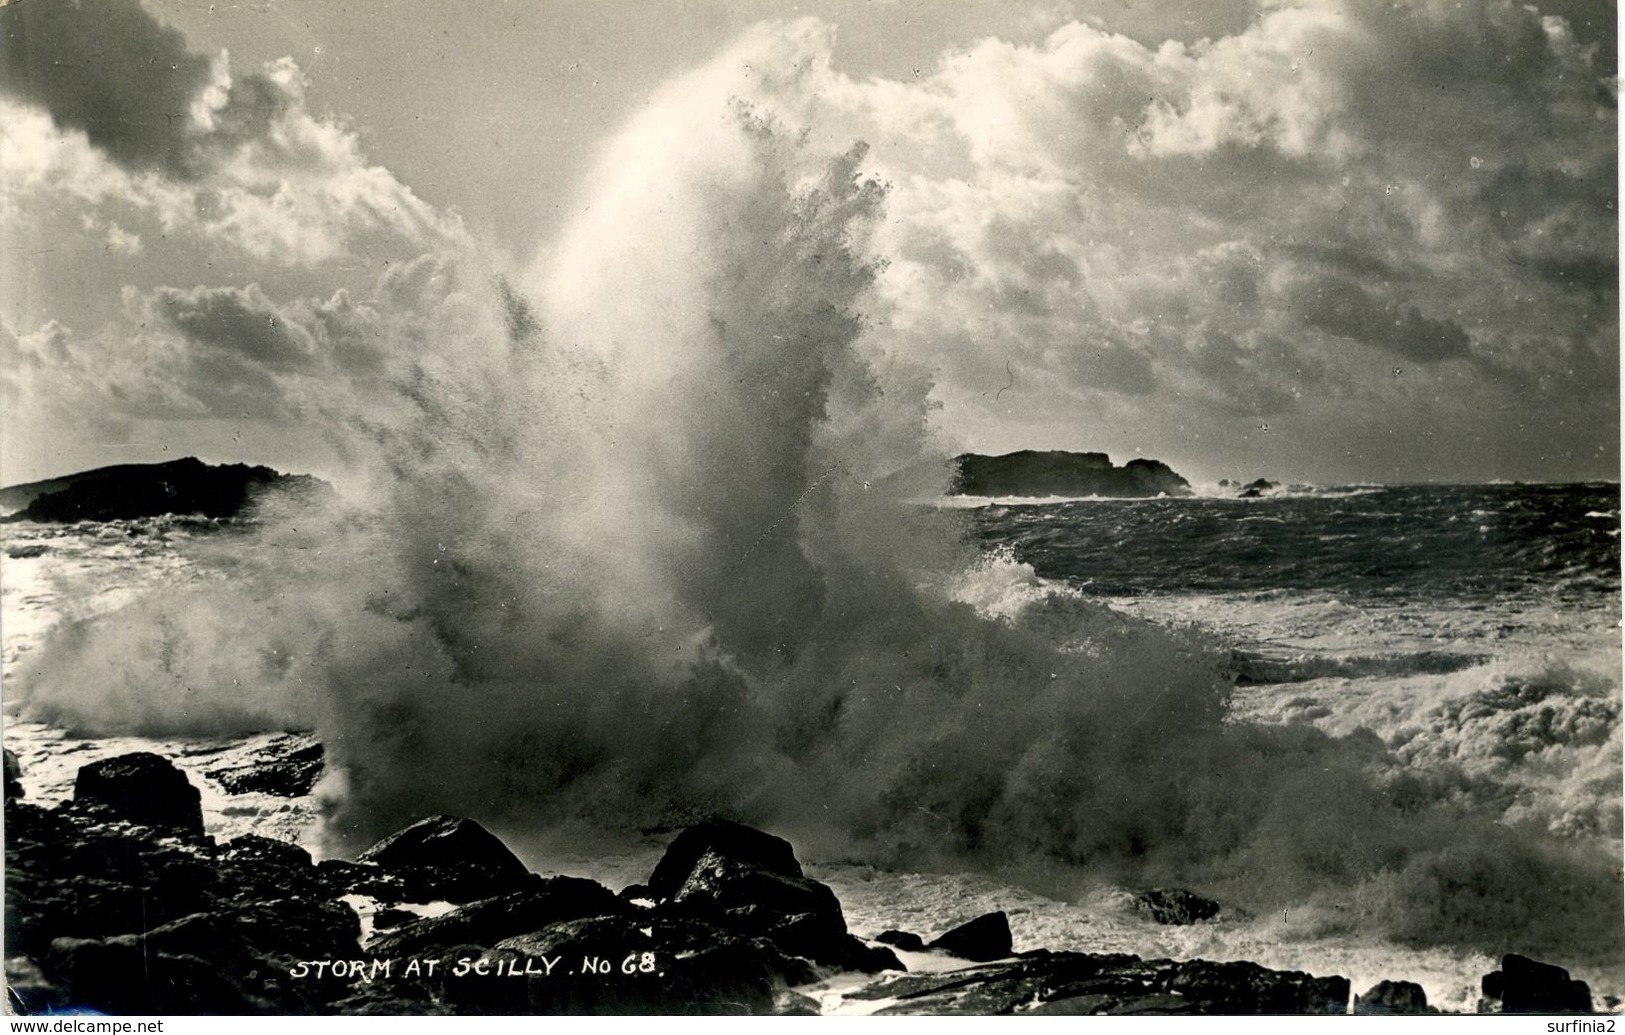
pixel 1415 757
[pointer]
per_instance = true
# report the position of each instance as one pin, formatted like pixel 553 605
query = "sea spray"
pixel 621 551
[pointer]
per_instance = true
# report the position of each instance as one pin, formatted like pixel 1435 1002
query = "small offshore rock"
pixel 1392 998
pixel 1523 985
pixel 450 858
pixel 905 940
pixel 1175 906
pixel 983 939
pixel 143 788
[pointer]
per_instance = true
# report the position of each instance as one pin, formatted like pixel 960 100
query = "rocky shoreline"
pixel 117 901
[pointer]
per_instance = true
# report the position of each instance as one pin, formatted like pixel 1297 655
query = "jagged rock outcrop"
pixel 743 879
pixel 185 486
pixel 1059 473
pixel 1523 985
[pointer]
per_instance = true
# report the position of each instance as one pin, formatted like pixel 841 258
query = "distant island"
pixel 186 486
pixel 1061 473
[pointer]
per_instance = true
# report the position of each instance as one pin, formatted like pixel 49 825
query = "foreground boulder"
pixel 450 858
pixel 744 845
pixel 14 776
pixel 1060 473
pixel 1523 985
pixel 143 788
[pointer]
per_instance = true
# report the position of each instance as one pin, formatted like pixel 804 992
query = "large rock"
pixel 658 965
pixel 749 881
pixel 143 788
pixel 450 858
pixel 1524 985
pixel 985 938
pixel 1175 906
pixel 1045 982
pixel 1059 473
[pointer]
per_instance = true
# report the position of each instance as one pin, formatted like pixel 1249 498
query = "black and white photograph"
pixel 811 507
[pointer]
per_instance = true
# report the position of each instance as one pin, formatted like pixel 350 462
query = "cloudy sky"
pixel 1320 240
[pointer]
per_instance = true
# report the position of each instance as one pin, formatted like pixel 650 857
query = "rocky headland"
pixel 1060 473
pixel 126 491
pixel 118 901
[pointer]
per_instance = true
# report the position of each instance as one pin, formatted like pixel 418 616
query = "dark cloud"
pixel 107 67
pixel 1346 310
pixel 240 322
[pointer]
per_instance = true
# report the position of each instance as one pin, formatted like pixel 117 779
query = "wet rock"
pixel 760 891
pixel 905 940
pixel 746 845
pixel 122 917
pixel 1389 998
pixel 386 919
pixel 341 877
pixel 449 858
pixel 1247 988
pixel 143 788
pixel 14 776
pixel 487 922
pixel 1175 906
pixel 1523 985
pixel 985 938
pixel 288 768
